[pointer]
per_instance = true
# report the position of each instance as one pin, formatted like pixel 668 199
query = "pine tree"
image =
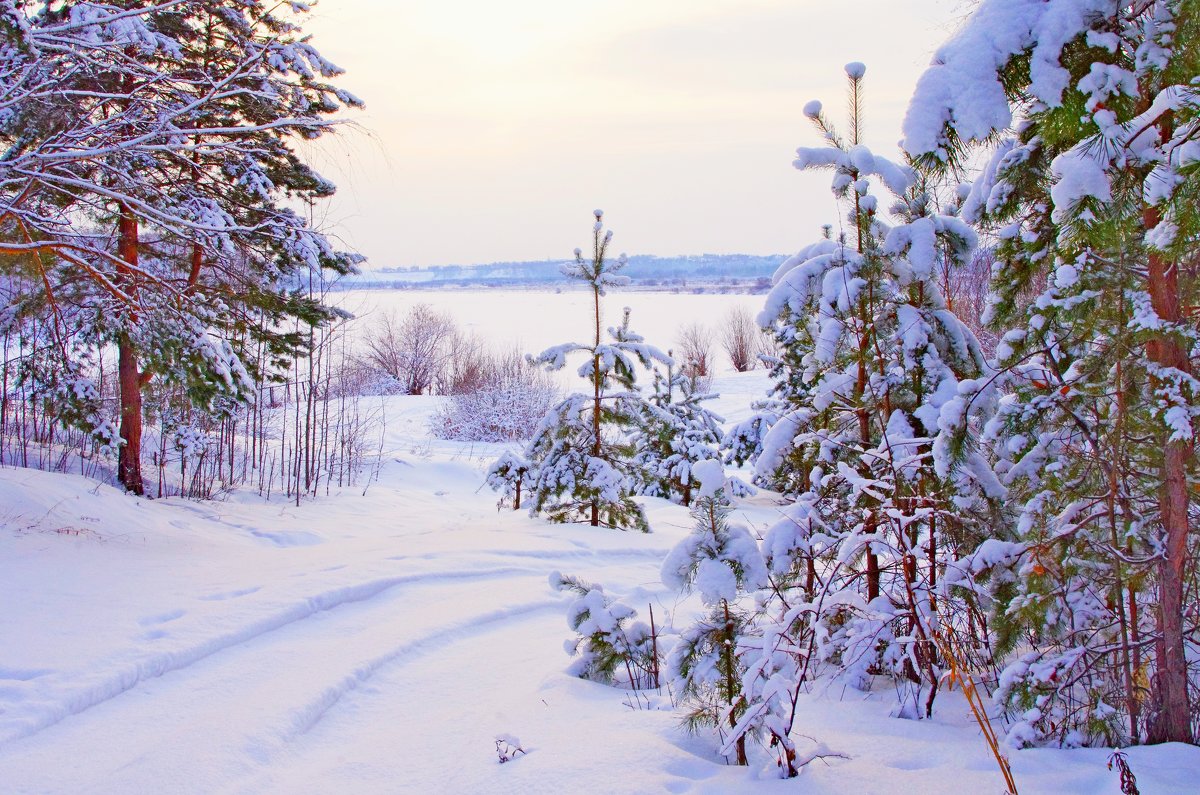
pixel 722 562
pixel 507 475
pixel 581 454
pixel 877 377
pixel 607 643
pixel 675 431
pixel 1093 200
pixel 173 124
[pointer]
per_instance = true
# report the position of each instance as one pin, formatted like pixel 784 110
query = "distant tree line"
pixel 747 271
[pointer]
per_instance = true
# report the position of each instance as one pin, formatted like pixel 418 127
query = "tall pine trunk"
pixel 595 510
pixel 129 459
pixel 862 226
pixel 1172 718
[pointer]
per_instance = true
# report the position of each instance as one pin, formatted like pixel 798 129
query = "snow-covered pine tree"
pixel 174 124
pixel 581 455
pixel 876 375
pixel 1093 199
pixel 606 641
pixel 722 562
pixel 675 431
pixel 743 443
pixel 507 475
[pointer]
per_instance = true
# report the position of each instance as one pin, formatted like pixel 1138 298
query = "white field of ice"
pixel 535 320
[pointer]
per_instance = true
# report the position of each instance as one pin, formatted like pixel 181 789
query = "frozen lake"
pixel 535 320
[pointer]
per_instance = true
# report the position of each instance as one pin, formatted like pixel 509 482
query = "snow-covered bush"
pixel 608 643
pixel 413 349
pixel 742 340
pixel 695 351
pixel 508 748
pixel 468 365
pixel 504 400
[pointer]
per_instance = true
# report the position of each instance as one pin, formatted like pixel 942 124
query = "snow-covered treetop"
pixel 843 307
pixel 710 475
pixel 1039 67
pixel 846 155
pixel 606 362
pixel 614 361
pixel 600 271
pixel 961 96
pixel 967 95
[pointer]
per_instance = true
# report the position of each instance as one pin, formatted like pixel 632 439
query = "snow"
pixel 384 642
pixel 1078 175
pixel 715 581
pixel 1162 235
pixel 711 476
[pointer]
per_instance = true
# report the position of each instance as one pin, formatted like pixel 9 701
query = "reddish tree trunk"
pixel 197 265
pixel 129 459
pixel 873 574
pixel 1172 718
pixel 595 508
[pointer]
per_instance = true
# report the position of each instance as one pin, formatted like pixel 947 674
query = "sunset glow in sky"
pixel 493 129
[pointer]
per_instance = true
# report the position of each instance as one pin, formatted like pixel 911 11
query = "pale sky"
pixel 493 129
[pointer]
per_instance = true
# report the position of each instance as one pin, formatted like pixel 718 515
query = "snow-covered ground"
pixel 380 643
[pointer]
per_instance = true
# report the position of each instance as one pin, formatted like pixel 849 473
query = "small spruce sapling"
pixel 722 562
pixel 606 643
pixel 582 459
pixel 506 475
pixel 882 388
pixel 675 432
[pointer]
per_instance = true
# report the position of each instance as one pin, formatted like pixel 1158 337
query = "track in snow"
pixel 225 709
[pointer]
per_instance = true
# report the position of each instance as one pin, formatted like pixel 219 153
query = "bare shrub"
pixel 412 350
pixel 742 339
pixel 966 289
pixel 506 401
pixel 768 349
pixel 467 366
pixel 695 350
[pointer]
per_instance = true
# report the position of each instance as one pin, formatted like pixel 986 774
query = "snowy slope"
pixel 379 643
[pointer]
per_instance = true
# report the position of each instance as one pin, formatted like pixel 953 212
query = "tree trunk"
pixel 595 517
pixel 873 574
pixel 129 459
pixel 731 683
pixel 197 266
pixel 1172 718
